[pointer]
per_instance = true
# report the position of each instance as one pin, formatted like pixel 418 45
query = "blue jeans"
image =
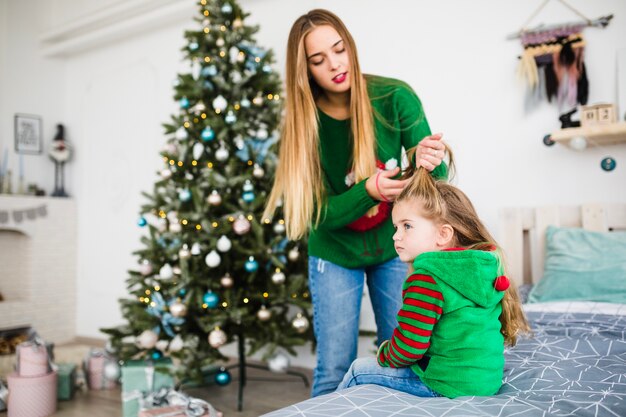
pixel 367 371
pixel 336 293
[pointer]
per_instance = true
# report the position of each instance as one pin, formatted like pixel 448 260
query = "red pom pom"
pixel 501 283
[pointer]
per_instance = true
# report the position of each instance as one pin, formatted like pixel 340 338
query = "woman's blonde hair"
pixel 298 182
pixel 444 203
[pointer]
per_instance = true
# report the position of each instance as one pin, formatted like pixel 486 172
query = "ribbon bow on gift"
pixel 194 407
pixel 167 319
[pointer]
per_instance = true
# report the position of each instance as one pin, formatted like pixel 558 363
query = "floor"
pixel 264 392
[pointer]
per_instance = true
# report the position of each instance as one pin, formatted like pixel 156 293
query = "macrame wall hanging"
pixel 552 64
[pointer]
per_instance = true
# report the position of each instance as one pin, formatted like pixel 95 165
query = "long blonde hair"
pixel 298 182
pixel 444 203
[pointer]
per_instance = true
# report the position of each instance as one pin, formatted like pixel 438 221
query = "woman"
pixel 340 149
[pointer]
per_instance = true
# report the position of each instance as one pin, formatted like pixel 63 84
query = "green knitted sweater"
pixel 399 121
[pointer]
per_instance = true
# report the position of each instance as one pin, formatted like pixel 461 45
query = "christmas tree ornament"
pixel 241 226
pixel 112 371
pixel 227 281
pixel 233 54
pixel 161 225
pixel 177 344
pixel 300 323
pixel 294 254
pixel 217 338
pixel 172 216
pixel 279 227
pixel 195 249
pixel 245 103
pixel 198 150
pixel 258 172
pixel 175 227
pixel 251 264
pixel 214 198
pixel 147 339
pixel 166 272
pixel 213 259
pixel 156 355
pixel 161 345
pixel 145 268
pixel 264 314
pixel 230 117
pixel 210 299
pixel 184 252
pixel 223 244
pixel 267 69
pixel 210 71
pixel 220 104
pixel 142 222
pixel 248 197
pixel 219 42
pixel 166 173
pixel 227 8
pixel 222 377
pixel 188 176
pixel 193 46
pixel 278 277
pixel 184 103
pixel 278 363
pixel 237 23
pixel 222 153
pixel 258 100
pixel 247 186
pixel 184 195
pixel 178 309
pixel 199 108
pixel 181 134
pixel 608 164
pixel 235 77
pixel 176 270
pixel 207 134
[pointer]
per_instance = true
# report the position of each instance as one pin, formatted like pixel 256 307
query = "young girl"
pixel 458 309
pixel 340 149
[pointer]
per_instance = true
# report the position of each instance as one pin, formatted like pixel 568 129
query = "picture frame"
pixel 28 134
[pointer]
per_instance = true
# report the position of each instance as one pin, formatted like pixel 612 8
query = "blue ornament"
pixel 267 68
pixel 251 264
pixel 184 195
pixel 230 118
pixel 182 292
pixel 547 140
pixel 156 355
pixel 208 85
pixel 193 46
pixel 207 134
pixel 222 377
pixel 142 221
pixel 227 8
pixel 248 196
pixel 245 103
pixel 608 164
pixel 184 102
pixel 210 299
pixel 209 71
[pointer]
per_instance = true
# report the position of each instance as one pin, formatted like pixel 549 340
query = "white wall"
pixel 113 93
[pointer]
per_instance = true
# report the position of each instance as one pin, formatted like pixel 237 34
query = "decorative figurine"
pixel 60 152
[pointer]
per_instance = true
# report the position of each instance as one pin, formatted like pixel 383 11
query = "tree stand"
pixel 242 365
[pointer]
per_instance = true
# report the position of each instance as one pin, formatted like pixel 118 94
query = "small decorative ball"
pixel 241 226
pixel 258 100
pixel 184 195
pixel 147 339
pixel 222 377
pixel 278 363
pixel 195 249
pixel 210 299
pixel 247 186
pixel 175 227
pixel 262 134
pixel 145 268
pixel 501 283
pixel 142 222
pixel 264 314
pixel 207 134
pixel 184 252
pixel 300 323
pixel 112 371
pixel 258 172
pixel 209 71
pixel 248 197
pixel 608 164
pixel 177 344
pixel 178 309
pixel 278 277
pixel 220 103
pixel 181 133
pixel 166 272
pixel 237 23
pixel 217 337
pixel 267 68
pixel 193 46
pixel 214 198
pixel 161 345
pixel 245 103
pixel 219 42
pixel 184 102
pixel 227 281
pixel 251 264
pixel 230 117
pixel 166 174
pixel 294 254
pixel 198 150
pixel 221 154
pixel 235 77
pixel 213 259
pixel 578 143
pixel 224 244
pixel 156 355
pixel 279 227
pixel 161 225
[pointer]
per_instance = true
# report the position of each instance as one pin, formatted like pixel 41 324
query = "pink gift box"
pixel 95 373
pixel 32 359
pixel 34 396
pixel 175 411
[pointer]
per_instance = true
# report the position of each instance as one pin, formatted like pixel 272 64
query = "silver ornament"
pixel 213 259
pixel 278 363
pixel 166 174
pixel 223 244
pixel 262 134
pixel 184 252
pixel 198 150
pixel 181 133
pixel 227 281
pixel 147 339
pixel 279 227
pixel 300 323
pixel 258 172
pixel 264 314
pixel 112 371
pixel 178 309
pixel 220 103
pixel 278 277
pixel 217 338
pixel 221 154
pixel 294 254
pixel 166 272
pixel 195 249
pixel 175 227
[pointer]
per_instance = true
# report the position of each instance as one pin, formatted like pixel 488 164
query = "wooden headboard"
pixel 522 232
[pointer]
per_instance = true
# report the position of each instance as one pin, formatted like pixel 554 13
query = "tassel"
pixel 552 83
pixel 583 86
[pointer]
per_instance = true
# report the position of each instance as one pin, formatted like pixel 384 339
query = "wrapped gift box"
pixel 175 411
pixel 32 359
pixel 66 382
pixel 94 370
pixel 32 396
pixel 140 378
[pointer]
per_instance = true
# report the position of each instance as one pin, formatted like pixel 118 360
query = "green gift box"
pixel 66 380
pixel 140 378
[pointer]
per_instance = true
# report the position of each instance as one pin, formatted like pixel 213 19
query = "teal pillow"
pixel 582 265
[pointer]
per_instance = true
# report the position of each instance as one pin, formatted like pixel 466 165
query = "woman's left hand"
pixel 430 152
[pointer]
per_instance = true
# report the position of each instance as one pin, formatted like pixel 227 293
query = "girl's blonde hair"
pixel 444 203
pixel 298 182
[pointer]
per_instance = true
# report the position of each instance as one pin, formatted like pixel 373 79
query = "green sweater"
pixel 449 327
pixel 399 121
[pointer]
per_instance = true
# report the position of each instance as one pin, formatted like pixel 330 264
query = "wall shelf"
pixel 598 135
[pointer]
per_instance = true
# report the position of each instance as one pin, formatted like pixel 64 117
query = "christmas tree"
pixel 211 270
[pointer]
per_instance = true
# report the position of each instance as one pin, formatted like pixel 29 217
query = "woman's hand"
pixel 381 186
pixel 430 152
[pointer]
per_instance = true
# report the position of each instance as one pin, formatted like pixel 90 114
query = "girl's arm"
pixel 421 309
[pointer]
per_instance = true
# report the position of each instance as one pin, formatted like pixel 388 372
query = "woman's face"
pixel 327 59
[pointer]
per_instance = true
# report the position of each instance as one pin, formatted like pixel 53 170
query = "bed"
pixel 571 262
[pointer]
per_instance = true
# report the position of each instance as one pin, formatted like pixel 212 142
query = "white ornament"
pixel 181 133
pixel 176 270
pixel 258 100
pixel 221 154
pixel 184 253
pixel 176 344
pixel 145 268
pixel 198 150
pixel 178 309
pixel 294 254
pixel 196 68
pixel 262 134
pixel 188 176
pixel 175 227
pixel 235 77
pixel 258 172
pixel 161 225
pixel 278 363
pixel 241 226
pixel 264 314
pixel 217 338
pixel 213 259
pixel 195 249
pixel 147 339
pixel 224 244
pixel 166 173
pixel 278 277
pixel 214 198
pixel 220 42
pixel 391 164
pixel 166 271
pixel 227 281
pixel 161 345
pixel 220 103
pixel 279 227
pixel 237 23
pixel 233 53
pixel 300 323
pixel 239 143
pixel 172 216
pixel 578 143
pixel 112 371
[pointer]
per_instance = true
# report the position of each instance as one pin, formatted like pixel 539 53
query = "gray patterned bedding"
pixel 574 366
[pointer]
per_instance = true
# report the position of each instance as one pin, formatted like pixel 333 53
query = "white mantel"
pixel 38 265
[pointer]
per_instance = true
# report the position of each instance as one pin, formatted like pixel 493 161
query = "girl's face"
pixel 415 234
pixel 327 59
